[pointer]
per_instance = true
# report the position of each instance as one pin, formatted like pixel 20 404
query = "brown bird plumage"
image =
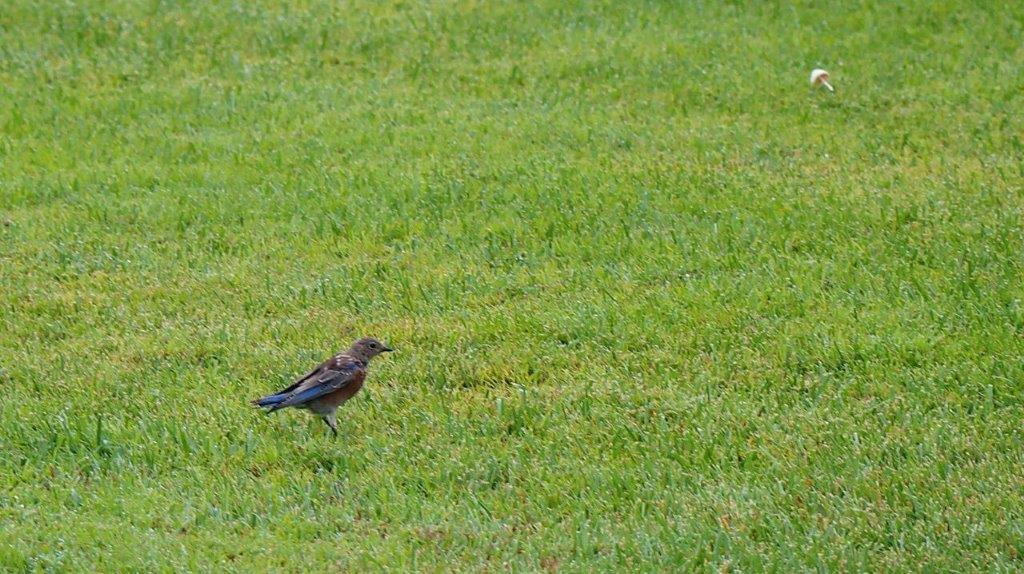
pixel 325 388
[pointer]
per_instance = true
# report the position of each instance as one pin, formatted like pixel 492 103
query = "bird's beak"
pixel 387 350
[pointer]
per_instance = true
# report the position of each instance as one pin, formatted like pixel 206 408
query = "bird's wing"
pixel 322 366
pixel 337 373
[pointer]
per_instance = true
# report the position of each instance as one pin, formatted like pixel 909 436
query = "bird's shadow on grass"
pixel 320 451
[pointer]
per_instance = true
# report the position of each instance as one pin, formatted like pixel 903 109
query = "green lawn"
pixel 660 305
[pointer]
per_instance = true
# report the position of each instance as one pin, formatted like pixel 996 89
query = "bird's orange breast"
pixel 344 393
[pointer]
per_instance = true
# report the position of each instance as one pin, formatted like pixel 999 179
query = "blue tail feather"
pixel 269 401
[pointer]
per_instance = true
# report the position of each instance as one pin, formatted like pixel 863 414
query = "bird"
pixel 329 385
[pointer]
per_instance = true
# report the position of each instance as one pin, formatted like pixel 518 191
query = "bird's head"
pixel 367 348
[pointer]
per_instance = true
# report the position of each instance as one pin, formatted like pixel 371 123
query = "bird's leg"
pixel 332 423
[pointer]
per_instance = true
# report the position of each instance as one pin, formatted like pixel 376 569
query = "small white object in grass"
pixel 819 76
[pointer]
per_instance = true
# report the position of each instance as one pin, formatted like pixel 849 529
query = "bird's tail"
pixel 270 402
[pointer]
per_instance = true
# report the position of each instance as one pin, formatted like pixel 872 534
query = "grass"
pixel 659 304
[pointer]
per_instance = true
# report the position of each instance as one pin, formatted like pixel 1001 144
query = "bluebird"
pixel 325 388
